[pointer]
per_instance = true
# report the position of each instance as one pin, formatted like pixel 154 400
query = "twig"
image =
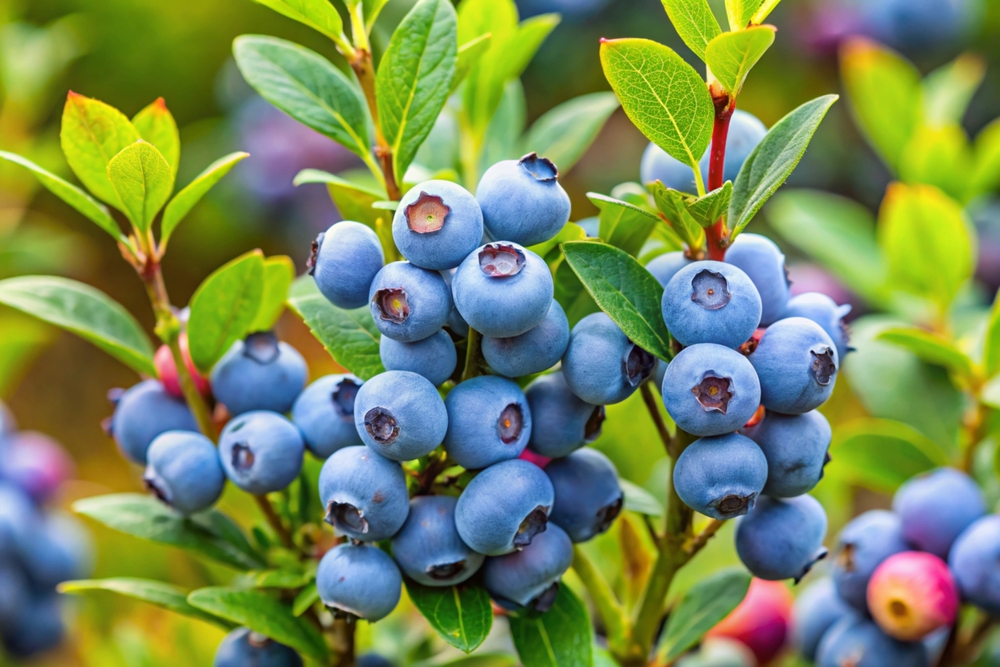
pixel 473 356
pixel 273 520
pixel 654 413
pixel 702 538
pixel 609 609
pixel 715 236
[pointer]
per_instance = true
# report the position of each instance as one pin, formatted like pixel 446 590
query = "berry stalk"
pixel 364 68
pixel 715 235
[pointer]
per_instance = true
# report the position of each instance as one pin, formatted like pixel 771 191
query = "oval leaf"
pixel 158 593
pixel 143 181
pixel 694 22
pixel 184 201
pixel 92 133
pixel 732 55
pixel 639 500
pixel 156 125
pixel 320 15
pixel 702 607
pixel 991 342
pixel 560 637
pixel 279 272
pixel 462 615
pixel 623 225
pixel 85 311
pixel 930 347
pixel 882 454
pixel 564 133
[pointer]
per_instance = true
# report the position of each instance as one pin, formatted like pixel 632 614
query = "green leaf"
pixel 662 95
pixel 185 200
pixel 882 454
pixel 570 292
pixel 949 89
pixel 570 232
pixel 560 637
pixel 985 174
pixel 307 87
pixel 478 660
pixel 281 579
pixel 674 207
pixel 211 534
pixel 158 593
pixel 22 343
pixel 763 11
pixel 991 342
pixel 639 500
pixel 349 336
pixel 414 77
pixel 265 615
pixel 701 608
pixel 623 225
pixel 156 125
pixel 469 54
pixel 564 134
pixel 85 311
pixel 707 210
pixel 92 133
pixel 731 55
pixel 624 290
pixel 279 272
pixel 461 615
pixel 884 94
pixel 929 347
pixel 72 195
pixel 926 240
pixel 320 15
pixel 306 598
pixel 773 161
pixel 694 22
pixel 740 12
pixel 143 181
pixel 223 308
pixel 938 156
pixel 353 200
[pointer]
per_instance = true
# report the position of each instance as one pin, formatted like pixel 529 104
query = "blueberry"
pixel 522 201
pixel 975 563
pixel 825 312
pixel 244 648
pixel 35 463
pixel 534 351
pixel 711 302
pixel 815 611
pixel 183 470
pixel 261 452
pixel 503 290
pixel 488 421
pixel 428 549
pixel 437 224
pixel 588 497
pixel 796 363
pixel 745 132
pixel 710 390
pixel 373 660
pixel 38 626
pixel 144 412
pixel 456 323
pixel 782 538
pixel 15 590
pixel 936 506
pixel 721 476
pixel 433 357
pixel 657 165
pixel 400 415
pixel 601 364
pixel 60 549
pixel 796 447
pixel 409 303
pixel 259 373
pixel 764 263
pixel 862 545
pixel 561 422
pixel 530 577
pixel 364 495
pixel 324 413
pixel 858 642
pixel 359 580
pixel 920 27
pixel 667 265
pixel 18 518
pixel 504 507
pixel 344 262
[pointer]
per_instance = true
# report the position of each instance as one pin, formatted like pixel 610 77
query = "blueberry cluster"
pixel 39 546
pixel 898 577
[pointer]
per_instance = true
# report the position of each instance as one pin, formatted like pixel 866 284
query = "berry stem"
pixel 473 356
pixel 364 68
pixel 273 520
pixel 343 642
pixel 608 607
pixel 654 412
pixel 716 236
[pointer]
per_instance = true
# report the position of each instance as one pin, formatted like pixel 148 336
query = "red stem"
pixel 715 235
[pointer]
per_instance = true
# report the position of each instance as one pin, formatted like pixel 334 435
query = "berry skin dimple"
pixel 359 580
pixel 601 365
pixel 400 415
pixel 522 201
pixel 428 548
pixel 529 578
pixel 721 476
pixel 259 373
pixel 488 421
pixel 261 452
pixel 324 412
pixel 782 538
pixel 711 302
pixel 797 365
pixel 344 262
pixel 184 471
pixel 437 224
pixel 822 310
pixel 364 495
pixel 408 303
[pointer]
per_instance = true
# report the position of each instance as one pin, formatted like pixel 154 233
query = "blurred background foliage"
pixel 129 52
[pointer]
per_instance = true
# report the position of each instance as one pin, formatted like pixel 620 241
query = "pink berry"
pixel 912 594
pixel 537 459
pixel 36 463
pixel 167 371
pixel 762 621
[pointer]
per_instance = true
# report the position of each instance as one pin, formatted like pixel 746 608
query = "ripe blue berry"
pixel 667 265
pixel 245 648
pixel 345 259
pixel 37 627
pixel 529 578
pixel 433 357
pixel 721 476
pixel 409 303
pixel 16 590
pixel 437 224
pixel 504 507
pixel 862 545
pixel 816 610
pixel 456 323
pixel 35 463
pixel 601 365
pixel 364 495
pixel 488 421
pixel 796 363
pixel 796 447
pixel 373 660
pixel 17 519
pixel 428 549
pixel 144 412
pixel 400 415
pixel 710 390
pixel 324 412
pixel 781 538
pixel 60 549
pixel 522 201
pixel 261 452
pixel 502 290
pixel 359 580
pixel 855 640
pixel 936 506
pixel 825 312
pixel 561 421
pixel 711 302
pixel 534 351
pixel 183 470
pixel 975 563
pixel 657 165
pixel 588 497
pixel 764 263
pixel 259 373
